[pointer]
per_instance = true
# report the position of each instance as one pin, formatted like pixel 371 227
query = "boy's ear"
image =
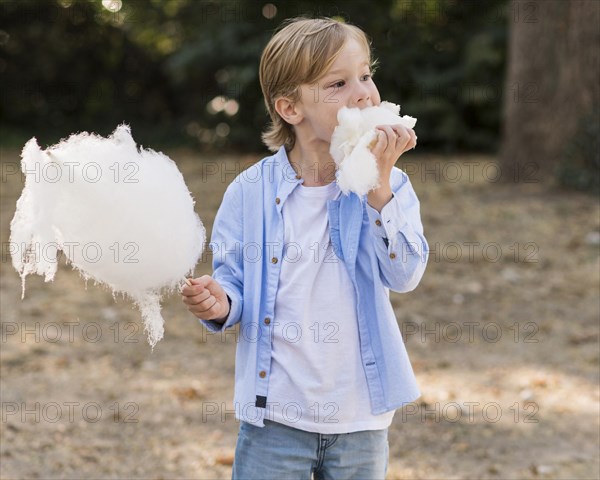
pixel 288 110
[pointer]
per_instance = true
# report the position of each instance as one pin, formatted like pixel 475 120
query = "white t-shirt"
pixel 317 381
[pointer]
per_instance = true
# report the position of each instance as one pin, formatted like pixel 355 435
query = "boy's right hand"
pixel 206 299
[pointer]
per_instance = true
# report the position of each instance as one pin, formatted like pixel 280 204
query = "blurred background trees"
pixel 552 123
pixel 185 72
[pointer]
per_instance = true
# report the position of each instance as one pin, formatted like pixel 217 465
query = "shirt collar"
pixel 286 176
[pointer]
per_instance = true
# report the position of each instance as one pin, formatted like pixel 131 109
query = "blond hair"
pixel 300 52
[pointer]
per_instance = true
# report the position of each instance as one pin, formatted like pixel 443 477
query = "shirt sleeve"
pixel 226 245
pixel 397 232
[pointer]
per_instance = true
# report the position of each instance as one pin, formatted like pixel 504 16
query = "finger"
pixel 402 136
pixel 188 291
pixel 197 299
pixel 390 135
pixel 207 307
pixel 399 130
pixel 381 143
pixel 185 283
pixel 404 145
pixel 412 142
pixel 383 138
pixel 413 136
pixel 202 281
pixel 198 285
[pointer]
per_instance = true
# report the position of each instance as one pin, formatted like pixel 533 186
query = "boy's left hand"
pixel 392 141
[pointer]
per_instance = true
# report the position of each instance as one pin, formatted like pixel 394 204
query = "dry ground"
pixel 505 349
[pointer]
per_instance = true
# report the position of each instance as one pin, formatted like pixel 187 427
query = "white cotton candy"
pixel 122 216
pixel 356 165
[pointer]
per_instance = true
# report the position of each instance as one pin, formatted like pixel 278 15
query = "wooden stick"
pixel 186 281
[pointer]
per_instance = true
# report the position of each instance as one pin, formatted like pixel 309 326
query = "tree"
pixel 552 92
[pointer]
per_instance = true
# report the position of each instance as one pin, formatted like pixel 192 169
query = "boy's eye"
pixel 341 83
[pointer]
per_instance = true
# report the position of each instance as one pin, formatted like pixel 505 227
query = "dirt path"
pixel 502 333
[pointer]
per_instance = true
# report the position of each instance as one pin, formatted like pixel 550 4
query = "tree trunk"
pixel 552 83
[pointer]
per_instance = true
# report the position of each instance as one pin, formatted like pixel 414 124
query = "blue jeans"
pixel 280 452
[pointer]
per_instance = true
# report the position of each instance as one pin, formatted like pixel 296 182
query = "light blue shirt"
pixel 382 251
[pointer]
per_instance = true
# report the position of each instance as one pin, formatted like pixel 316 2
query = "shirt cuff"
pixel 387 223
pixel 213 325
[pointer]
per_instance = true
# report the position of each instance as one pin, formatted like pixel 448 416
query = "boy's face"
pixel 347 83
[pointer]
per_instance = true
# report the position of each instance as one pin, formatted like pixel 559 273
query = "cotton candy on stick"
pixel 352 140
pixel 122 217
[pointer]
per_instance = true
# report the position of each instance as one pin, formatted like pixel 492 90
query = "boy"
pixel 320 362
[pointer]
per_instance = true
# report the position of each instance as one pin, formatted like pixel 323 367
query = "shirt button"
pixel 277 200
pixel 378 222
pixel 262 374
pixel 267 321
pixel 274 260
pixel 392 255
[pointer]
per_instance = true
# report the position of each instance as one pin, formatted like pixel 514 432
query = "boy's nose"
pixel 361 97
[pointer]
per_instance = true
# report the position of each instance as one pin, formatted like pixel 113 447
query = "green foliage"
pixel 73 65
pixel 69 69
